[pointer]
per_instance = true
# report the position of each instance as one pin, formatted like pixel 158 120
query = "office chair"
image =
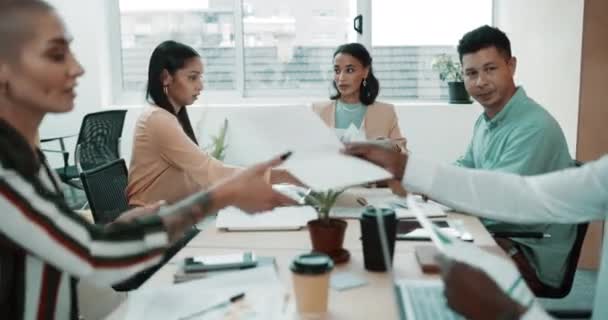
pixel 98 143
pixel 105 188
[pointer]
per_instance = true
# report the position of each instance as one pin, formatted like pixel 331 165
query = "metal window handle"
pixel 358 24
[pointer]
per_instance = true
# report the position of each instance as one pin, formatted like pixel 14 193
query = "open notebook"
pixel 282 218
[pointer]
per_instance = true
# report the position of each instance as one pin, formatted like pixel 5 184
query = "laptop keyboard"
pixel 425 300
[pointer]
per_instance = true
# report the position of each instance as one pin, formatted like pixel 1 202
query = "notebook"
pixel 281 218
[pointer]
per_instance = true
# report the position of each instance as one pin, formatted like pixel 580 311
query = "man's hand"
pixel 391 160
pixel 472 293
pixel 250 191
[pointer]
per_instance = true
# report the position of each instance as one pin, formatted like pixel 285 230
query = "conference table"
pixel 373 300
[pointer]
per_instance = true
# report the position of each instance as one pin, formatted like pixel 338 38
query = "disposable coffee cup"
pixel 370 236
pixel 311 281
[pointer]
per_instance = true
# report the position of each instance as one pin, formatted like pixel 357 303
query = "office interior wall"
pixel 593 114
pixel 546 37
pixel 86 22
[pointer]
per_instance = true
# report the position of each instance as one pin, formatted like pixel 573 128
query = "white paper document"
pixel 281 218
pixel 430 208
pixel 501 270
pixel 316 160
pixel 261 287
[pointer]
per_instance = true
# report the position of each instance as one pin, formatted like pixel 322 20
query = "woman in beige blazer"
pixel 167 162
pixel 355 100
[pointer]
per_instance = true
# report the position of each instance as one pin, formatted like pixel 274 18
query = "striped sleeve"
pixel 62 238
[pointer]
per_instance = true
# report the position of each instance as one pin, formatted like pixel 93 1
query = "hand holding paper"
pixel 316 160
pixel 499 278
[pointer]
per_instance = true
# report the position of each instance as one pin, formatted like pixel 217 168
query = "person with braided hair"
pixel 44 246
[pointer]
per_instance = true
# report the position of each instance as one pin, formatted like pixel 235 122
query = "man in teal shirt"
pixel 514 134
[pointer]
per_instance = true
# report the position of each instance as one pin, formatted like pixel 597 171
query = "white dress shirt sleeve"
pixel 567 196
pixel 536 312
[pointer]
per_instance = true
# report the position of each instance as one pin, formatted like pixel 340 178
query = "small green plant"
pixel 449 70
pixel 323 202
pixel 218 146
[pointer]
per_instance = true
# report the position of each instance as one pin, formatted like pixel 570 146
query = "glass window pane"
pixel 408 34
pixel 289 43
pixel 205 25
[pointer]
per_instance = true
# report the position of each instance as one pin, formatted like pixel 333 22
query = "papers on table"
pixel 316 160
pixel 281 218
pixel 261 286
pixel 429 208
pixel 501 270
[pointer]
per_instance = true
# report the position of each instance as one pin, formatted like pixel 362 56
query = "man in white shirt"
pixel 567 196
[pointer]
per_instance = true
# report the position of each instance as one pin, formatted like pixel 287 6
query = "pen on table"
pixel 218 305
pixel 524 234
pixel 362 201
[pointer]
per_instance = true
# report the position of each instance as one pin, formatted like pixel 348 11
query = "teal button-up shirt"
pixel 524 138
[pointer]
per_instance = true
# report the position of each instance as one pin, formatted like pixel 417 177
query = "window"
pixel 207 26
pixel 258 48
pixel 408 34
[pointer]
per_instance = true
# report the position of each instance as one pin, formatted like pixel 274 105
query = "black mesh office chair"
pixel 105 189
pixel 98 143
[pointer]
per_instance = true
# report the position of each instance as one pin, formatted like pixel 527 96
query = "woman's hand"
pixel 250 191
pixel 130 215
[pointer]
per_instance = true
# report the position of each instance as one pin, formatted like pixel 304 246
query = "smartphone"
pixel 220 262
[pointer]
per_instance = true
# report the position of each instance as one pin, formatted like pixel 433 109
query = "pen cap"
pixel 312 263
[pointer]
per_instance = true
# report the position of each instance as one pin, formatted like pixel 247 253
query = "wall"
pixel 437 131
pixel 86 22
pixel 593 115
pixel 546 37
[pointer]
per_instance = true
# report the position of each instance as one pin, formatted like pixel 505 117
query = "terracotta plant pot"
pixel 328 238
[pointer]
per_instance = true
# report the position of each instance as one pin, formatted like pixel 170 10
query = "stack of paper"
pixel 316 158
pixel 261 286
pixel 282 218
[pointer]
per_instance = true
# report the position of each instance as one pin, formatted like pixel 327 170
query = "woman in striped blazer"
pixel 44 246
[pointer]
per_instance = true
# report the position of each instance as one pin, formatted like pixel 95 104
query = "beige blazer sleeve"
pixel 381 122
pixel 178 150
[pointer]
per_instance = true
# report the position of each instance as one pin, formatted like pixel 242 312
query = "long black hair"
pixel 369 92
pixel 171 56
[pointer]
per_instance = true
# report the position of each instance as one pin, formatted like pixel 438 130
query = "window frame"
pixel 239 95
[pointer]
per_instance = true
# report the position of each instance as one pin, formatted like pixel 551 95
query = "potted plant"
pixel 218 146
pixel 450 71
pixel 326 233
